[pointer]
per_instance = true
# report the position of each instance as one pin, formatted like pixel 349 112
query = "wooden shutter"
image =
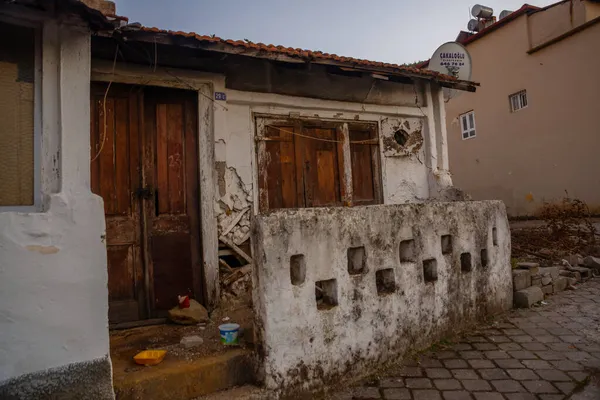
pixel 366 175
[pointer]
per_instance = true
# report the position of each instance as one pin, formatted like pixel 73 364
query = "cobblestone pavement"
pixel 545 353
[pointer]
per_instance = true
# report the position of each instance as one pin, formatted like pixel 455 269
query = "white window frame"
pixel 518 100
pixel 467 125
pixel 37 115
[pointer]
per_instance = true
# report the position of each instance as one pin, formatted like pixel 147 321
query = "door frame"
pixel 203 84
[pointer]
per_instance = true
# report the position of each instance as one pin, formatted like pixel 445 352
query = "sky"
pixel 395 31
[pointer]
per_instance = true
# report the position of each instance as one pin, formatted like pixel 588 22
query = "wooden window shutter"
pixel 366 172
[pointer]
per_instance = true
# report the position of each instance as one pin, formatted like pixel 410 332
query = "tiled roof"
pixel 305 55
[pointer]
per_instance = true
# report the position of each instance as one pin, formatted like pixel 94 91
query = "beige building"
pixel 532 131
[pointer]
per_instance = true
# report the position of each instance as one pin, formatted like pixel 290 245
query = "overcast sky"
pixel 397 31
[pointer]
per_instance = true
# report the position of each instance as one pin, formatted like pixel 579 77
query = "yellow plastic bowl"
pixel 150 357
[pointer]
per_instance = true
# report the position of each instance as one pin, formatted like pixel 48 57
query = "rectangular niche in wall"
pixel 326 294
pixel 484 258
pixel 495 236
pixel 407 251
pixel 446 244
pixel 465 262
pixel 357 260
pixel 297 269
pixel 430 270
pixel 385 280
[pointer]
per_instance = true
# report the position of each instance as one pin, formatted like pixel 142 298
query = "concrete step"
pixel 186 379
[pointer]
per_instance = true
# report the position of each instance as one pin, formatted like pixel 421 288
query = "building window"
pixel 19 116
pixel 518 100
pixel 467 125
pixel 304 163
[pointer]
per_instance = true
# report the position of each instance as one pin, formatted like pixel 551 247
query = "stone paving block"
pixel 547 289
pixel 511 346
pixel 567 365
pixel 571 339
pixel 418 383
pixel 535 331
pixel 437 373
pixel 426 395
pixel 522 355
pixel 447 384
pixel 578 356
pixel 553 375
pixel 536 364
pixel 559 331
pixel 396 394
pixel 476 339
pixel 485 346
pixel 428 362
pixel 410 372
pixel 443 355
pixel 472 354
pixel 366 393
pixel 455 363
pixel 560 284
pixel 509 363
pixel 462 347
pixel 551 397
pixel 550 355
pixel 488 396
pixel 464 374
pixel 522 374
pixel 520 396
pixel 494 373
pixel 479 364
pixel 547 339
pixel 507 386
pixel 565 387
pixel 525 298
pixel 499 339
pixel 391 383
pixel 513 332
pixel 562 346
pixel 457 395
pixel 522 339
pixel 579 376
pixel 476 385
pixel 491 332
pixel 496 354
pixel 539 387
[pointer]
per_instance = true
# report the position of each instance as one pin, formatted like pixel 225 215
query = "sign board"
pixel 452 59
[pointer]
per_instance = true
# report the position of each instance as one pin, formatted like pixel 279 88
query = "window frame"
pixel 468 129
pixel 519 96
pixel 262 122
pixel 37 114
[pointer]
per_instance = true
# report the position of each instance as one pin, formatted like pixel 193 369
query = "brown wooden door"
pixel 171 170
pixel 116 176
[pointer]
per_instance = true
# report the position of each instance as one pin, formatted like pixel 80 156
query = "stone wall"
pixel 338 291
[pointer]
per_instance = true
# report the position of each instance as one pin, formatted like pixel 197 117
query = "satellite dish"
pixel 452 59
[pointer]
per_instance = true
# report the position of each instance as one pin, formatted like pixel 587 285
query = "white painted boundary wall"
pixel 53 274
pixel 302 347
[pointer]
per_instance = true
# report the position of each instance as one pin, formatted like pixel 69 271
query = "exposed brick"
pixel 437 373
pixel 396 394
pixel 522 374
pixel 426 395
pixel 476 385
pixel 507 386
pixel 418 383
pixel 539 387
pixel 447 384
pixel 457 395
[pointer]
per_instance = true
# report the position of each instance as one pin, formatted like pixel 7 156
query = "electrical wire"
pixel 366 141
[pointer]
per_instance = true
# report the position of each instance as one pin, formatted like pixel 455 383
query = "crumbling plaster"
pixel 53 275
pixel 303 347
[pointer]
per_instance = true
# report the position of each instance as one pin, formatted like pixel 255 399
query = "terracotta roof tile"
pixel 307 55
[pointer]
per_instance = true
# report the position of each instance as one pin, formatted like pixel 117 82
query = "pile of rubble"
pixel 532 283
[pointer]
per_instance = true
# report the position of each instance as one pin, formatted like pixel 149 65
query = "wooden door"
pixel 171 170
pixel 116 176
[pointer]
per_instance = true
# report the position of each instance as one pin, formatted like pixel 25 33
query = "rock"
pixel 546 252
pixel 560 284
pixel 548 289
pixel 525 298
pixel 521 279
pixel 546 279
pixel 532 267
pixel 585 273
pixel 191 341
pixel 592 262
pixel 571 274
pixel 536 280
pixel 575 260
pixel 572 283
pixel 196 313
pixel 553 271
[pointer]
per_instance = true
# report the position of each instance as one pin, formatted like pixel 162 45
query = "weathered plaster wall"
pixel 303 347
pixel 53 274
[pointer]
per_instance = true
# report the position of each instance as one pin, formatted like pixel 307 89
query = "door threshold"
pixel 137 324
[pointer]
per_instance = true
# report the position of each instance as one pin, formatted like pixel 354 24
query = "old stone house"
pixel 147 158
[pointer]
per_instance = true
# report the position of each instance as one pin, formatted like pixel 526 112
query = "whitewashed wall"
pixel 53 274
